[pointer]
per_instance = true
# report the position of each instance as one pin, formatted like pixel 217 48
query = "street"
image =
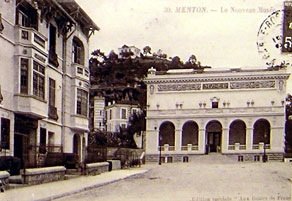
pixel 202 179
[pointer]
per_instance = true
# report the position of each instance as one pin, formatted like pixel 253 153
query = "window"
pixel 78 51
pixel 185 159
pixel 240 158
pixel 5 132
pixel 52 100
pixel 52 38
pixel 43 140
pixel 123 126
pixel 256 158
pixel 51 136
pixel 82 102
pixel 214 104
pixel 53 57
pixel 24 76
pixel 110 115
pixel 52 92
pixel 169 159
pixel 80 70
pixel 86 73
pixel 123 114
pixel 134 111
pixel 38 80
pixel 27 16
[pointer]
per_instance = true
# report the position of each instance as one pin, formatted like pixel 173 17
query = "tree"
pixel 176 63
pixel 146 50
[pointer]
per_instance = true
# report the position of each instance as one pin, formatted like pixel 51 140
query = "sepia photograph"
pixel 145 100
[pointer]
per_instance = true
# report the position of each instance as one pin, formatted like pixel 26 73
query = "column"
pixel 249 134
pixel 202 140
pixel 177 139
pixel 224 139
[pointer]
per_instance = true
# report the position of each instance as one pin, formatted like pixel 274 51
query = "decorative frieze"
pixel 252 85
pixel 179 87
pixel 215 86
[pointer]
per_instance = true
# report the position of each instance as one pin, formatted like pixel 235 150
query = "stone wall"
pixel 42 175
pixel 96 168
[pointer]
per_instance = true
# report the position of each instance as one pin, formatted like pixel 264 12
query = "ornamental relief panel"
pixel 179 87
pixel 215 86
pixel 252 85
pixel 223 85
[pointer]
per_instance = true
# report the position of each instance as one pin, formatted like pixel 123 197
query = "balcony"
pixel 80 71
pixel 53 58
pixel 237 147
pixel 166 148
pixel 190 147
pixel 79 122
pixel 52 113
pixel 30 36
pixel 30 105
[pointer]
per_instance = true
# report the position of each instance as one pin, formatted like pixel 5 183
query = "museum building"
pixel 238 112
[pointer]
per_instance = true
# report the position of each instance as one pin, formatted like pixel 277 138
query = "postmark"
pixel 269 40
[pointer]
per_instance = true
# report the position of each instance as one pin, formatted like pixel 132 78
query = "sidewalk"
pixel 53 190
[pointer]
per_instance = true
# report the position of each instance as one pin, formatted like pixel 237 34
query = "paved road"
pixel 200 181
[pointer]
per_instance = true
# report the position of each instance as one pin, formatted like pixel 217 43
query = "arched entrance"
pixel 213 136
pixel 166 133
pixel 190 133
pixel 237 132
pixel 261 132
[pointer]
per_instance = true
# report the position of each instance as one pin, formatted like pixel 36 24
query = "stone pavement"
pixel 54 190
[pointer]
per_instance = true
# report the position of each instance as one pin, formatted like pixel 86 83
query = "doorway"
pixel 214 141
pixel 213 137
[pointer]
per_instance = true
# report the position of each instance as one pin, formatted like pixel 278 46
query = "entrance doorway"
pixel 214 141
pixel 25 139
pixel 213 137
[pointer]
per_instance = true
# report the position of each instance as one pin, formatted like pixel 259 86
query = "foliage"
pixel 120 77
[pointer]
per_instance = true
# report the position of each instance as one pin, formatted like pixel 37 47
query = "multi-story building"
pixel 238 112
pixel 129 49
pixel 44 78
pixel 118 114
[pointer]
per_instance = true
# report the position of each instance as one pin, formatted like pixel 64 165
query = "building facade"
pixel 44 78
pixel 235 112
pixel 117 115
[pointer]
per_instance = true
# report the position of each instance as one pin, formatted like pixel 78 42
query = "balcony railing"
pixel 231 147
pixel 184 148
pixel 47 148
pixel 29 35
pixel 190 147
pixel 171 148
pixel 52 113
pixel 53 58
pixel 242 147
pixel 261 146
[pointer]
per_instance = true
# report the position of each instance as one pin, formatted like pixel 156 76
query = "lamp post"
pixel 160 140
pixel 264 158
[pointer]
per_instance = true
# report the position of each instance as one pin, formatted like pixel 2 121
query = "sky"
pixel 219 33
